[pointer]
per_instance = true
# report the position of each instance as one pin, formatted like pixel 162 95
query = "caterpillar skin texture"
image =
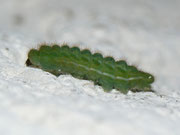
pixel 82 64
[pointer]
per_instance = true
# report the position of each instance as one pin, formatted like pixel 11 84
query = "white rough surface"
pixel 146 33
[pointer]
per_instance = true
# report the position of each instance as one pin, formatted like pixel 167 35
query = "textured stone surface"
pixel 146 33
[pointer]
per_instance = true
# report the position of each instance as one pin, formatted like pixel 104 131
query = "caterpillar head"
pixel 33 58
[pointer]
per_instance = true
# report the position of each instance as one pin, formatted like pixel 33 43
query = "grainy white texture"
pixel 145 33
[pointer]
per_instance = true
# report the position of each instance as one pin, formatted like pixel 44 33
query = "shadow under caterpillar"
pixel 82 64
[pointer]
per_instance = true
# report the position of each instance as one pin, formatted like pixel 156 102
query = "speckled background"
pixel 145 33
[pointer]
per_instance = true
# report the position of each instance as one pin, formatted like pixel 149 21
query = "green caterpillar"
pixel 82 64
